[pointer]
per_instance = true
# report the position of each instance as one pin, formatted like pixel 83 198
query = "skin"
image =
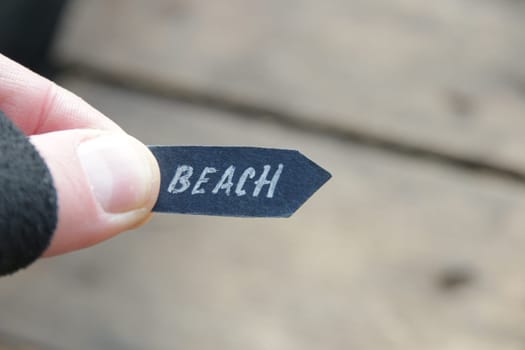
pixel 59 123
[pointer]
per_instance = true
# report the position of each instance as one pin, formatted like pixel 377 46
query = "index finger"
pixel 37 105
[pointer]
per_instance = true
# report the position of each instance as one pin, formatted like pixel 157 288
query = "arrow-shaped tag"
pixel 235 181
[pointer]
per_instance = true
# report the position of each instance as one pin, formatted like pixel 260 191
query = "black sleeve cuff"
pixel 28 200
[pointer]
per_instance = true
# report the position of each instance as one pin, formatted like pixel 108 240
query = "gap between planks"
pixel 133 82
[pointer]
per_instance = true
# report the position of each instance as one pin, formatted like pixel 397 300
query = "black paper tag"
pixel 235 181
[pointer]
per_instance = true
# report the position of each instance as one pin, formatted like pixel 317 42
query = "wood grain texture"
pixel 446 76
pixel 391 253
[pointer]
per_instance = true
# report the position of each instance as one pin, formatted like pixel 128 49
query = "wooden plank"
pixel 446 76
pixel 391 253
pixel 11 342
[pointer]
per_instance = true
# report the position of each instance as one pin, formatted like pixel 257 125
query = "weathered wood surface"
pixel 391 254
pixel 11 342
pixel 445 75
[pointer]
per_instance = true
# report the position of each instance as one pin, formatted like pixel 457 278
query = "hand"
pixel 106 181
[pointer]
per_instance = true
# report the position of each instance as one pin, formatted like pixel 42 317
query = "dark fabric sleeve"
pixel 28 200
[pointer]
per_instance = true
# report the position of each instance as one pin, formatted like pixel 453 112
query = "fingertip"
pixel 106 182
pixel 121 171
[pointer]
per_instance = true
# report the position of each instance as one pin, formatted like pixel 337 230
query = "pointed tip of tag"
pixel 318 178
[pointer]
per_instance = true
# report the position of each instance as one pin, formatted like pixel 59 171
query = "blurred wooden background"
pixel 418 110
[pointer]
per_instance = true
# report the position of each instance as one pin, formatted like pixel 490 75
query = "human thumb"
pixel 107 182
